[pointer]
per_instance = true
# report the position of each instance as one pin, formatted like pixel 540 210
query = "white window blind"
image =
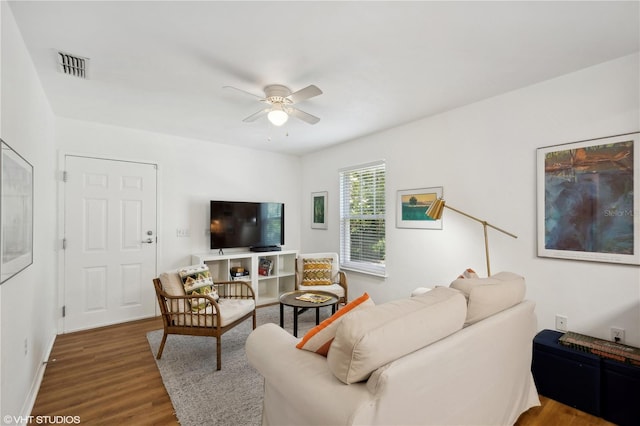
pixel 362 218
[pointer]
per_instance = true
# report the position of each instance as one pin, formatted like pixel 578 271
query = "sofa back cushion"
pixel 370 338
pixel 487 296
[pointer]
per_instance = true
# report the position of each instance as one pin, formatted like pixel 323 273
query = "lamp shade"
pixel 277 116
pixel 435 209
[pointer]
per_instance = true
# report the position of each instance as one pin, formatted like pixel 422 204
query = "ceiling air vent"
pixel 73 65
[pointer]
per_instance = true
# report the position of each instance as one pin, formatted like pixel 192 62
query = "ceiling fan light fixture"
pixel 277 117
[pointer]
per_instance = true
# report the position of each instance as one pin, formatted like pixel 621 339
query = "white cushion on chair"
pixel 230 311
pixel 172 285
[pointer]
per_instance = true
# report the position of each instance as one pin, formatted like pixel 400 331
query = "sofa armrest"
pixel 293 377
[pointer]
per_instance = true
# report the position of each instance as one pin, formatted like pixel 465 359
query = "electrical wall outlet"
pixel 561 322
pixel 617 334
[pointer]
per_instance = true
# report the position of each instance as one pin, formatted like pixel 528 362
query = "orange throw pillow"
pixel 319 338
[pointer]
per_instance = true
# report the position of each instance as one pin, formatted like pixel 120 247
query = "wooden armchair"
pixel 338 285
pixel 236 304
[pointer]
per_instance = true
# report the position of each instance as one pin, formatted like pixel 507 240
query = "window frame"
pixel 370 267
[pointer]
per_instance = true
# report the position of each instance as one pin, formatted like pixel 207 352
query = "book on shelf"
pixel 265 266
pixel 241 278
pixel 313 297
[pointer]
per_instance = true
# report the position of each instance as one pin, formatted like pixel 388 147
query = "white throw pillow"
pixel 488 296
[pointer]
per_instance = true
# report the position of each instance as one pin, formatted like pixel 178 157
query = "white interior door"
pixel 110 242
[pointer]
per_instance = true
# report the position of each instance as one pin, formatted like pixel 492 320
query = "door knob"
pixel 148 241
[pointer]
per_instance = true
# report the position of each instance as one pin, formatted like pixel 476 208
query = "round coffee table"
pixel 299 306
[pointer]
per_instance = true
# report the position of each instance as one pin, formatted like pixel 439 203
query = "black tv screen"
pixel 246 224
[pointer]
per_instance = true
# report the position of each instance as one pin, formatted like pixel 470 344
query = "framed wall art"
pixel 412 206
pixel 319 210
pixel 16 213
pixel 588 200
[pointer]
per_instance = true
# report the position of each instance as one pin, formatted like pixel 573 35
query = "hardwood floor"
pixel 553 413
pixel 108 376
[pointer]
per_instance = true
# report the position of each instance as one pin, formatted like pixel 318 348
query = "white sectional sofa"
pixel 458 355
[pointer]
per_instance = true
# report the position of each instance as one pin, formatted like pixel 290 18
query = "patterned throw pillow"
pixel 197 280
pixel 316 271
pixel 319 338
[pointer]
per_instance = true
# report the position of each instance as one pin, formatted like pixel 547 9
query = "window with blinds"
pixel 362 218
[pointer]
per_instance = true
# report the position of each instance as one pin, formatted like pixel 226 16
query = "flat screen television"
pixel 259 226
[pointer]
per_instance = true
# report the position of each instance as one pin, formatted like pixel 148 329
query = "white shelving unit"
pixel 267 288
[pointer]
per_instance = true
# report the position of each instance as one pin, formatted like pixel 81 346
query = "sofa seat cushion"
pixel 319 338
pixel 370 338
pixel 230 311
pixel 488 296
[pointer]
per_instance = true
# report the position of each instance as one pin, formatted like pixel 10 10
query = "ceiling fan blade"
pixel 304 116
pixel 243 91
pixel 256 115
pixel 303 94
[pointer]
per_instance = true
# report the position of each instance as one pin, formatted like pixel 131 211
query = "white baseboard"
pixel 30 401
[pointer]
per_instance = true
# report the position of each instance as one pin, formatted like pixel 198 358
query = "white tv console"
pixel 267 288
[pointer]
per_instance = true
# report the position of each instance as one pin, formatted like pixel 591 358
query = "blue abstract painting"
pixel 589 199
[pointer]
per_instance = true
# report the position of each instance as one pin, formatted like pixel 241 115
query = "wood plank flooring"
pixel 108 376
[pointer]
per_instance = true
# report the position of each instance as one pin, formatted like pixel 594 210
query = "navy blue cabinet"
pixel 566 375
pixel 602 387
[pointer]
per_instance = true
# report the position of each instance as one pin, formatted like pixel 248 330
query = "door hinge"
pixel 64 244
pixel 65 176
pixel 64 311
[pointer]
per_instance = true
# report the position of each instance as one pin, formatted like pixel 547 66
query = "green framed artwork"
pixel 319 210
pixel 412 208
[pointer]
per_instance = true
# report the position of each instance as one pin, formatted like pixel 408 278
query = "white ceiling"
pixel 161 66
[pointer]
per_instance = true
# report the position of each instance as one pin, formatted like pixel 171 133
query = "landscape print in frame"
pixel 587 200
pixel 412 207
pixel 16 213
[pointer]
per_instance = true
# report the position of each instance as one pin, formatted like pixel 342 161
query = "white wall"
pixel 484 156
pixel 191 173
pixel 28 314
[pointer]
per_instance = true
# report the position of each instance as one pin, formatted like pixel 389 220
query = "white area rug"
pixel 229 397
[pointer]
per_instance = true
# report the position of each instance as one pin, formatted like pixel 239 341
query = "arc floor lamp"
pixel 436 209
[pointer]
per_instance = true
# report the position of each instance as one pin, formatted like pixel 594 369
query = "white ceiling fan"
pixel 280 100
